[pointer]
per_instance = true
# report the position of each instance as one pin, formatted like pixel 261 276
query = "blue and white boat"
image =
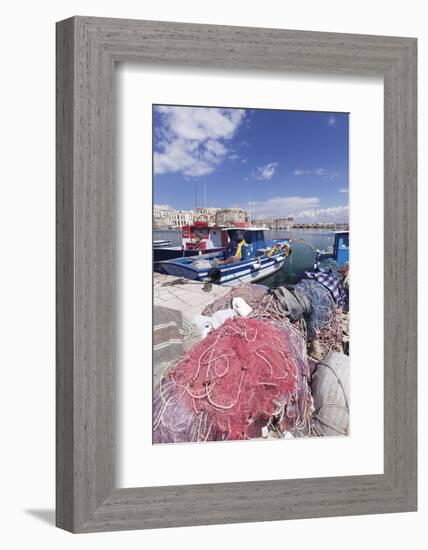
pixel 340 252
pixel 162 243
pixel 258 259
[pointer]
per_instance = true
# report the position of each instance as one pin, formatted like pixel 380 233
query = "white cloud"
pixel 323 173
pixel 233 156
pixel 303 209
pixel 267 171
pixel 331 121
pixel 311 172
pixel 339 214
pixel 280 207
pixel 163 207
pixel 193 140
pixel 343 190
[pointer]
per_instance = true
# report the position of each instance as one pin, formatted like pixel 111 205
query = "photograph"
pixel 186 362
pixel 251 275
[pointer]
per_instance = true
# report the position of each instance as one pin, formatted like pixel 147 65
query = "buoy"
pixel 214 275
pixel 241 307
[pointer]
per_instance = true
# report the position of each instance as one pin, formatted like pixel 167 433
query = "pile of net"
pixel 329 265
pixel 324 324
pixel 320 320
pixel 256 296
pixel 263 302
pixel 245 374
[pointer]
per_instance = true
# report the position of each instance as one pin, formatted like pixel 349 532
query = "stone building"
pixel 283 223
pixel 275 223
pixel 226 216
pixel 169 217
pixel 182 217
pixel 206 214
pixel 162 217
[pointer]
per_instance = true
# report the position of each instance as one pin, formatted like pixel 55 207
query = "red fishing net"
pixel 325 322
pixel 256 297
pixel 239 377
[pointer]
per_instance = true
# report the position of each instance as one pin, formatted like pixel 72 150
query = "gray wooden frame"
pixel 87 50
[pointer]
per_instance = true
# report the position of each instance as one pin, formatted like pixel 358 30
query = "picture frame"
pixel 87 51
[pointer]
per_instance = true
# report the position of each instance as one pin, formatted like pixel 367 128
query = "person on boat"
pixel 239 249
pixel 278 248
pixel 235 247
pixel 274 250
pixel 198 241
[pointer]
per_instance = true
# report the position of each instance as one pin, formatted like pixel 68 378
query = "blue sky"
pixel 272 163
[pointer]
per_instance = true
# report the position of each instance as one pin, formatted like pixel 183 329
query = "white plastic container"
pixel 220 316
pixel 203 324
pixel 241 307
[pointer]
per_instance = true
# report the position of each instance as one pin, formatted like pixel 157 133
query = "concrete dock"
pixel 176 302
pixel 184 295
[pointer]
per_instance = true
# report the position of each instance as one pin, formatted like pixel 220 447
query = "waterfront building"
pixel 275 223
pixel 162 217
pixel 226 216
pixel 263 222
pixel 169 217
pixel 206 215
pixel 182 217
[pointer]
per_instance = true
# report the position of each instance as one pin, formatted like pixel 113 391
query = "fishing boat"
pixel 340 251
pixel 162 243
pixel 196 238
pixel 247 258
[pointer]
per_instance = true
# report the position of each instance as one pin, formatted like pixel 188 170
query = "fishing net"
pixel 329 265
pixel 322 321
pixel 263 302
pixel 251 293
pixel 322 302
pixel 330 336
pixel 330 387
pixel 246 373
pixel 324 324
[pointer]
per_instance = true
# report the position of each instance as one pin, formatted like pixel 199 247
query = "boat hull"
pixel 249 271
pixel 255 276
pixel 162 254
